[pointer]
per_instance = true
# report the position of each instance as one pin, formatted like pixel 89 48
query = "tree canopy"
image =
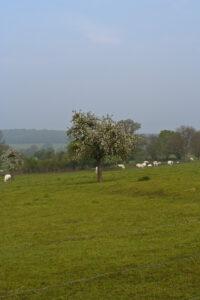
pixel 11 160
pixel 100 138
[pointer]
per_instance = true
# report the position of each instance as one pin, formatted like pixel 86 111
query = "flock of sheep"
pixel 157 163
pixel 154 164
pixel 146 163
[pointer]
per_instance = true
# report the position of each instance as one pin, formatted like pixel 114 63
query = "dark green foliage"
pixel 186 133
pixel 130 126
pixel 195 144
pixel 46 161
pixel 144 178
pixel 3 146
pixel 168 144
pixel 2 141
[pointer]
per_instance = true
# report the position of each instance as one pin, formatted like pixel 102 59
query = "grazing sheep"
pixel 7 177
pixel 122 166
pixel 191 158
pixel 170 162
pixel 143 165
pixel 155 163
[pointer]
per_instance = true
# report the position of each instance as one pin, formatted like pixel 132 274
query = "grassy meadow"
pixel 64 236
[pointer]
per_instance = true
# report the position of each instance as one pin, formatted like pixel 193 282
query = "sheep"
pixel 122 166
pixel 149 165
pixel 7 177
pixel 170 162
pixel 155 163
pixel 139 165
pixel 191 158
pixel 143 165
pixel 96 170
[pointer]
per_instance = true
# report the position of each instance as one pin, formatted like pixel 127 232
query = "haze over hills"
pixel 132 59
pixel 23 138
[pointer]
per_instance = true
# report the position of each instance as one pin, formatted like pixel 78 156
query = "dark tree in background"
pixel 130 126
pixel 1 138
pixel 3 146
pixel 195 144
pixel 186 133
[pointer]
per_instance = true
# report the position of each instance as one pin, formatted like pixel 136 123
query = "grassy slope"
pixel 63 236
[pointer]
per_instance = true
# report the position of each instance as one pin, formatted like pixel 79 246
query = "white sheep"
pixel 155 163
pixel 141 166
pixel 170 162
pixel 122 166
pixel 7 177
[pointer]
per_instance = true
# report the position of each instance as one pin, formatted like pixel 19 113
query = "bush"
pixel 144 178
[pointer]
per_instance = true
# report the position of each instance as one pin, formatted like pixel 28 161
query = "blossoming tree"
pixel 100 138
pixel 11 160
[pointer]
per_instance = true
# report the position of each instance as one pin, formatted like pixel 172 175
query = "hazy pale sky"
pixel 133 59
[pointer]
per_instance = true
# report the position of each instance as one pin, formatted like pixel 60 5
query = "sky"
pixel 131 59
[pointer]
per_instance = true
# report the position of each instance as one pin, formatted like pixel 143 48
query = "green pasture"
pixel 135 236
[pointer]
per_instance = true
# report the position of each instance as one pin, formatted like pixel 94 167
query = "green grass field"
pixel 64 236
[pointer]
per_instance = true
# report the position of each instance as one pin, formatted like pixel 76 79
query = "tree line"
pixel 103 142
pixel 180 144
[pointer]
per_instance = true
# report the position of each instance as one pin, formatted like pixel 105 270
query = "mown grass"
pixel 64 236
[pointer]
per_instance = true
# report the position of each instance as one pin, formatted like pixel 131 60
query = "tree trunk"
pixel 99 173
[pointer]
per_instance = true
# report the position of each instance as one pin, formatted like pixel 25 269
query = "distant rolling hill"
pixel 24 138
